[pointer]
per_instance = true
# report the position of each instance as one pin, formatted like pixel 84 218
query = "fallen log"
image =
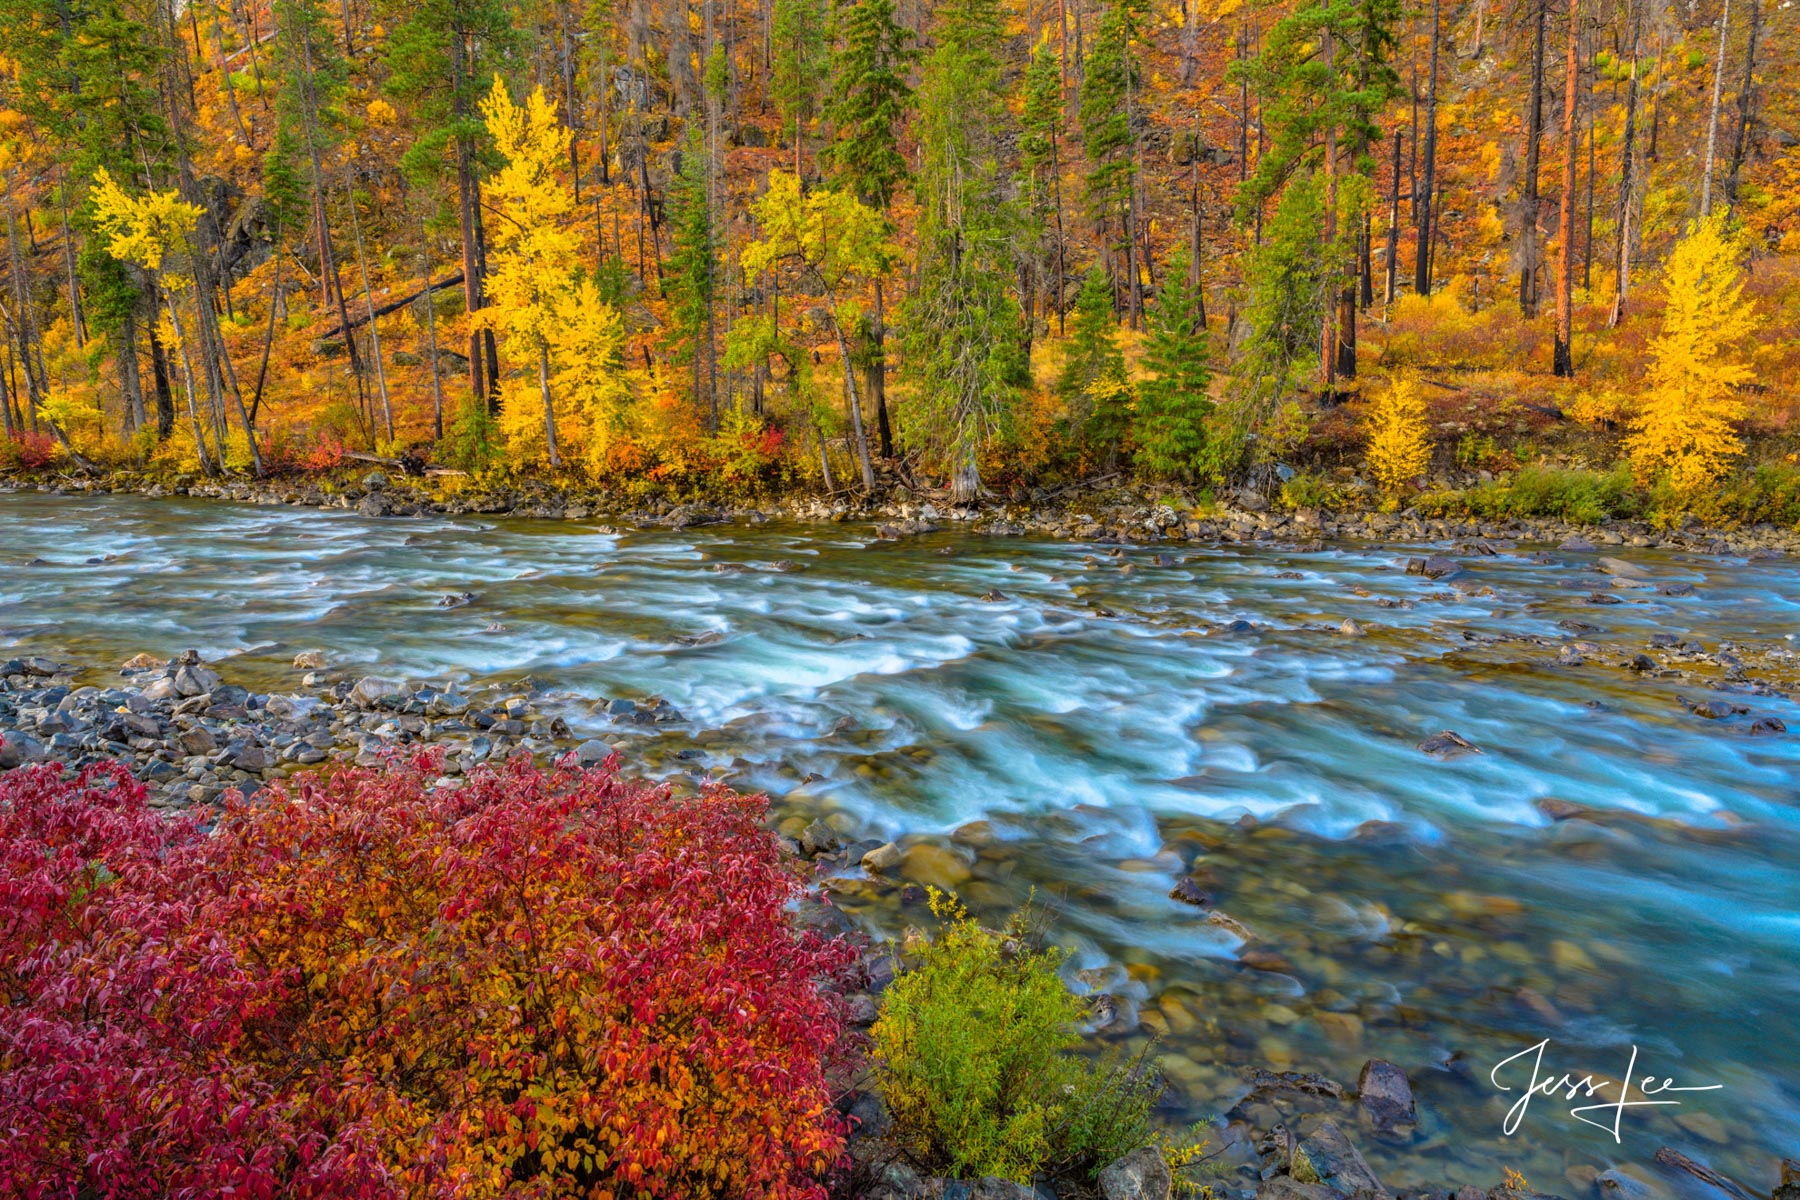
pixel 391 306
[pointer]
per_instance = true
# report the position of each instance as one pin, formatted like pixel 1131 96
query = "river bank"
pixel 1117 514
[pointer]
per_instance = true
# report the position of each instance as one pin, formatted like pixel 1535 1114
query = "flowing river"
pixel 1053 717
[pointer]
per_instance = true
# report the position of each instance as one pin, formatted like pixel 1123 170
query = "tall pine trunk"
pixel 1627 172
pixel 1428 185
pixel 1534 136
pixel 1740 136
pixel 1563 362
pixel 1712 113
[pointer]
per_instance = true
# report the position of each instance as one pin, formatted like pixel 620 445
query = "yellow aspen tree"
pixel 1684 423
pixel 531 268
pixel 833 239
pixel 144 230
pixel 1399 446
pixel 588 345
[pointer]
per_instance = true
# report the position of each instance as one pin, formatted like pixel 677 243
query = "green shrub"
pixel 976 1058
pixel 1309 490
pixel 1563 493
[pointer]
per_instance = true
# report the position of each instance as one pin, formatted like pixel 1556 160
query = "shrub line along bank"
pixel 1125 514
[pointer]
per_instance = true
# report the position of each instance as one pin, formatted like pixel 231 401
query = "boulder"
pixel 592 752
pixel 199 740
pixel 1621 568
pixel 819 838
pixel 195 681
pixel 883 859
pixel 309 660
pixel 141 662
pixel 1338 1164
pixel 17 748
pixel 1385 1094
pixel 370 689
pixel 1140 1175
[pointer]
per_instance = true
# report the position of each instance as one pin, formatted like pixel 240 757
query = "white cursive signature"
pixel 1587 1087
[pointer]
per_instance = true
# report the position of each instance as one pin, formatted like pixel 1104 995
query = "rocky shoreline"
pixel 1122 515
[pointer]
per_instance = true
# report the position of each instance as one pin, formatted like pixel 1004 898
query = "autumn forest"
pixel 987 246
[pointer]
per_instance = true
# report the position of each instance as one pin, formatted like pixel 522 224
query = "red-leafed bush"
pixel 27 451
pixel 538 983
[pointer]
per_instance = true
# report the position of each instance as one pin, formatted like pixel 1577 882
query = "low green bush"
pixel 1581 497
pixel 976 1057
pixel 1310 490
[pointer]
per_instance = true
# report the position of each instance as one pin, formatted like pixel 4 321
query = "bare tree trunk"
pixel 1393 236
pixel 362 265
pixel 1563 362
pixel 856 421
pixel 1740 137
pixel 878 374
pixel 1328 348
pixel 437 384
pixel 159 371
pixel 1534 135
pixel 131 382
pixel 1712 117
pixel 467 198
pixel 75 321
pixel 1627 170
pixel 1422 259
pixel 262 367
pixel 549 408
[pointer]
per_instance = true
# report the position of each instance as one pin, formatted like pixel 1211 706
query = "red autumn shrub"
pixel 28 451
pixel 128 1059
pixel 538 983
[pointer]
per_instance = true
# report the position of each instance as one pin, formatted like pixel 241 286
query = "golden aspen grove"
pixel 726 249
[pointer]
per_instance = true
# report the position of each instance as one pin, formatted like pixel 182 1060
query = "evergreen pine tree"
pixel 963 330
pixel 1092 351
pixel 1172 402
pixel 870 98
pixel 801 64
pixel 440 56
pixel 1110 82
pixel 1040 122
pixel 1286 280
pixel 692 273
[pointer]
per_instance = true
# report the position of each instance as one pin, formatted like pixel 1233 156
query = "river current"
pixel 1052 719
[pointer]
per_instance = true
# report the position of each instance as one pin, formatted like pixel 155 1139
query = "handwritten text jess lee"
pixel 1586 1087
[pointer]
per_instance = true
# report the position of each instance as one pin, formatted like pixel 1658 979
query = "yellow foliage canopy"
pixel 1684 424
pixel 140 230
pixel 1399 449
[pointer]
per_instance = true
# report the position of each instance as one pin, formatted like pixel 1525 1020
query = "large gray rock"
pixel 1385 1094
pixel 17 749
pixel 1140 1175
pixel 1621 568
pixel 371 688
pixel 195 681
pixel 592 752
pixel 1337 1163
